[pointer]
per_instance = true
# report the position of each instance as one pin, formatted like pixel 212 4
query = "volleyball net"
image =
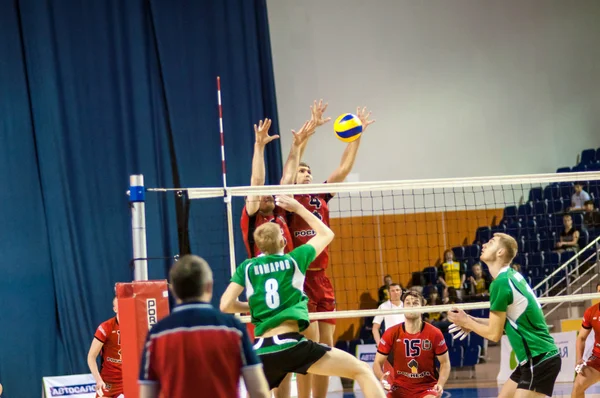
pixel 403 228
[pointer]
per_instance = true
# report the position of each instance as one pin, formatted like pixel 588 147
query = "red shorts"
pixel 113 389
pixel 320 293
pixel 593 362
pixel 413 392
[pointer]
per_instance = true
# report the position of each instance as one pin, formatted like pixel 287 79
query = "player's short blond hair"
pixel 268 238
pixel 509 244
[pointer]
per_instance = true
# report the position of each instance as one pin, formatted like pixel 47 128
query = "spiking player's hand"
pixel 363 115
pixel 288 203
pixel 316 112
pixel 458 332
pixel 307 130
pixel 261 133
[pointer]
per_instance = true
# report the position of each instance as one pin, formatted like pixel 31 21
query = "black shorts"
pixel 538 375
pixel 296 359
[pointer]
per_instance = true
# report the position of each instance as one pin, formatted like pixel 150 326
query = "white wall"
pixel 458 87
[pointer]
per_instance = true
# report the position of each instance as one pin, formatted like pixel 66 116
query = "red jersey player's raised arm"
pixel 349 156
pixel 262 138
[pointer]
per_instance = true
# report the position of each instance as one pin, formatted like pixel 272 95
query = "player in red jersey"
pixel 414 345
pixel 261 209
pixel 317 286
pixel 107 340
pixel 588 370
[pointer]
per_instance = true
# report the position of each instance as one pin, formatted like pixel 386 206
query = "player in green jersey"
pixel 278 306
pixel 514 309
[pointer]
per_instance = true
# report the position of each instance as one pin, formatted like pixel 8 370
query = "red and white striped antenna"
pixel 221 132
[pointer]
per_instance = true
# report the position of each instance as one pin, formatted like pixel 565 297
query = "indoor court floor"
pixel 560 390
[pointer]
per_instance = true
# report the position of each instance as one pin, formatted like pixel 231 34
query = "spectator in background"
pixel 394 302
pixel 579 197
pixel 591 217
pixel 384 291
pixel 434 299
pixel 478 283
pixel 450 273
pixel 569 237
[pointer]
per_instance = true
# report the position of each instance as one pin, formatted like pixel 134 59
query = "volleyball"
pixel 347 127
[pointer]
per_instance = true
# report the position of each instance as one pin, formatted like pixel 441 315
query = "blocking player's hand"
pixel 261 133
pixel 363 115
pixel 305 132
pixel 580 366
pixel 458 332
pixel 316 113
pixel 288 203
pixel 386 385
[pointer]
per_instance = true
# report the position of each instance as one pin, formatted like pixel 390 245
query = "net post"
pixel 137 197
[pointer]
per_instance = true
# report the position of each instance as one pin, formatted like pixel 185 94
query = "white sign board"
pixel 74 386
pixel 566 347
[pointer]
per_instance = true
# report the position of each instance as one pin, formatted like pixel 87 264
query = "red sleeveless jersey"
pixel 250 223
pixel 302 232
pixel 413 355
pixel 109 334
pixel 591 320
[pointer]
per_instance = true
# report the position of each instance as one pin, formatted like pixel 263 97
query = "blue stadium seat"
pixel 498 228
pixel 509 215
pixel 536 194
pixel 540 207
pixel 566 190
pixel 588 156
pixel 580 168
pixel 459 252
pixel 556 223
pixel 449 340
pixel 536 259
pixel 530 228
pixel 555 206
pixel 430 274
pixel 472 251
pixel 534 271
pixel 524 212
pixel 514 229
pixel 456 356
pixel 594 166
pixel 598 154
pixel 563 170
pixel 566 256
pixel 479 313
pixel 482 235
pixel 521 259
pixel 552 192
pixel 471 355
pixel 577 219
pixel 531 244
pixel 552 258
pixel 584 238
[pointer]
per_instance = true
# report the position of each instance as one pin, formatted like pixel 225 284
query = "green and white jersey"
pixel 275 287
pixel 525 324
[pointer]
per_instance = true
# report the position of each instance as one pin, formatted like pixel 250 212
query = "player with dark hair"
pixel 107 343
pixel 514 309
pixel 197 350
pixel 278 306
pixel 317 286
pixel 414 345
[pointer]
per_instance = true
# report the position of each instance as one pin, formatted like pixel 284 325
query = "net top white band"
pixel 433 309
pixel 440 183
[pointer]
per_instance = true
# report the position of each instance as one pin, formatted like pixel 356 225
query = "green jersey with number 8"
pixel 525 324
pixel 274 287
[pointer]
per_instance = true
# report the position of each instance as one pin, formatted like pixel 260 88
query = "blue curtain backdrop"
pixel 91 92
